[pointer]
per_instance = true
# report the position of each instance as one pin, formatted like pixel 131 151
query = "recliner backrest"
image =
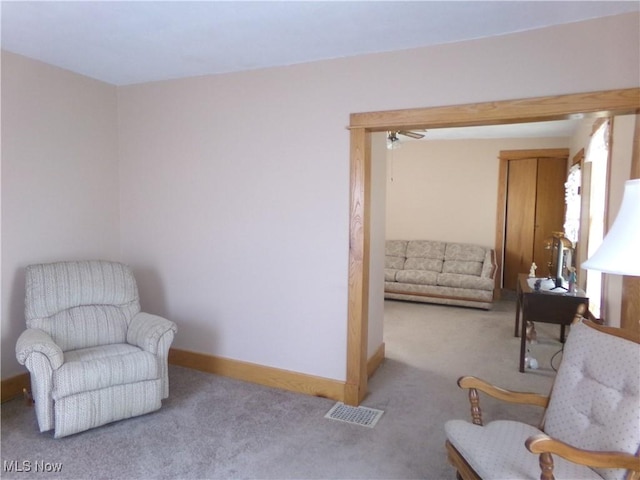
pixel 595 401
pixel 81 304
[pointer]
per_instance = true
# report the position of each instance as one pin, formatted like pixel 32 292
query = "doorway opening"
pixel 596 104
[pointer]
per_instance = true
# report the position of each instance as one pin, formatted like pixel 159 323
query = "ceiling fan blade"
pixel 410 134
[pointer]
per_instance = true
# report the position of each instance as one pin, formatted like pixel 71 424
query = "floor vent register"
pixel 363 416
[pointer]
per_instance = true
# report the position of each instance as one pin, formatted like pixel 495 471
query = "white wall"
pixel 447 190
pixel 59 178
pixel 376 243
pixel 235 188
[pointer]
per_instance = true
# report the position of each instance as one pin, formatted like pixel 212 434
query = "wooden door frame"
pixel 505 157
pixel 361 125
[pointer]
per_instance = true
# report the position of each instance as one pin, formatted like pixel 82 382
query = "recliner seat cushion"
pixel 497 451
pixel 101 367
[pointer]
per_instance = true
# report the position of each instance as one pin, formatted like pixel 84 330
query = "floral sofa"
pixel 440 272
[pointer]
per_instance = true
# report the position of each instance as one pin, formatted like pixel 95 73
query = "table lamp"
pixel 619 252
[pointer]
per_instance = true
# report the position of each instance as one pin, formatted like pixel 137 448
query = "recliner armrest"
pixel 36 340
pixel 145 331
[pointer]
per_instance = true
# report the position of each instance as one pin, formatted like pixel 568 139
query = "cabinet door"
pixel 550 207
pixel 520 219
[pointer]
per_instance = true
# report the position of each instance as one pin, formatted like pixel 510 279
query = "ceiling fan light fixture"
pixel 393 142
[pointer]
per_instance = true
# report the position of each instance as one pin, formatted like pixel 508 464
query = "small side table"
pixel 544 307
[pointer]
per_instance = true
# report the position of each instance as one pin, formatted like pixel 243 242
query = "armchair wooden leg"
pixel 476 412
pixel 28 399
pixel 546 466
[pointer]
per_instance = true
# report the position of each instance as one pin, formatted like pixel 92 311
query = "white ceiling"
pixel 132 42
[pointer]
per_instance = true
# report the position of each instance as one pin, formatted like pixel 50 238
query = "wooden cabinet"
pixel 533 207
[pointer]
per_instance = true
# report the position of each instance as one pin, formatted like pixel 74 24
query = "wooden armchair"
pixel 590 428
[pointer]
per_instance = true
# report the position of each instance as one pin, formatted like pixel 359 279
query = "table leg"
pixel 562 333
pixel 523 342
pixel 518 307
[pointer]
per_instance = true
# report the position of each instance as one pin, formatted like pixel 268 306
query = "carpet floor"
pixel 213 427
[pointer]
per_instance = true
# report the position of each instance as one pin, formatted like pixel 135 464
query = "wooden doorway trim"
pixel 560 107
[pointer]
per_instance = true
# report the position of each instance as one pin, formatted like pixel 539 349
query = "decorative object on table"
pixel 573 280
pixel 560 257
pixel 532 270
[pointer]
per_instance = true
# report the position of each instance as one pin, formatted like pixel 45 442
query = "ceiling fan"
pixel 394 142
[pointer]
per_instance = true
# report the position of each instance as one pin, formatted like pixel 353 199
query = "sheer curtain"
pixel 598 155
pixel 573 201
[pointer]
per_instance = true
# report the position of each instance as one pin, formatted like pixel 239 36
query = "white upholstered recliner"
pixel 93 357
pixel 591 426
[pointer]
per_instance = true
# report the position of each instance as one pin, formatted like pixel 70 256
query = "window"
pixel 598 156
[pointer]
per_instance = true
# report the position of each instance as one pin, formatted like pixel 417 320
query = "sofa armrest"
pixel 146 330
pixel 35 340
pixel 489 267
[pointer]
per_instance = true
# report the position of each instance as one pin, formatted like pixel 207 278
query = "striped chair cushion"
pixel 101 367
pixel 81 304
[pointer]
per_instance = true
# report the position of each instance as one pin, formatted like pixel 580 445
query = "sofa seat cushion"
pixel 462 267
pixel 497 450
pixel 100 367
pixel 391 261
pixel 390 274
pixel 464 281
pixel 463 251
pixel 419 277
pixel 426 249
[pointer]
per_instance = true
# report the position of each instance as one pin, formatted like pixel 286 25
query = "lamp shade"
pixel 619 252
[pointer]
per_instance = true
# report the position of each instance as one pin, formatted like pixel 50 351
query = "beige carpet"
pixel 214 427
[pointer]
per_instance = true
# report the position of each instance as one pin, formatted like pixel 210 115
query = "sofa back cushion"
pixel 396 248
pixel 426 249
pixel 464 252
pixel 419 263
pixel 393 262
pixel 464 259
pixel 462 267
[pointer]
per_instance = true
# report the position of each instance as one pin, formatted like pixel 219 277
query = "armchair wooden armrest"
pixel 545 446
pixel 473 384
